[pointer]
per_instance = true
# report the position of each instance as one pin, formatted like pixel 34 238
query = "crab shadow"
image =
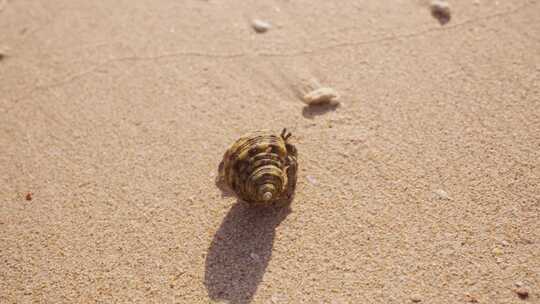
pixel 240 252
pixel 316 110
pixel 441 17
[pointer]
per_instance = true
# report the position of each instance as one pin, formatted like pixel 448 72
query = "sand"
pixel 423 185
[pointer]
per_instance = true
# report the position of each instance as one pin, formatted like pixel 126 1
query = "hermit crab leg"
pixel 285 135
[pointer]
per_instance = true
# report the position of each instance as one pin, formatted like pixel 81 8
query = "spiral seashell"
pixel 261 168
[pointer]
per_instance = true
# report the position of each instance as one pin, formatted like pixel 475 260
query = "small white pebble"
pixel 322 95
pixel 260 26
pixel 442 194
pixel 519 284
pixel 254 256
pixel 311 179
pixel 440 6
pixel 440 9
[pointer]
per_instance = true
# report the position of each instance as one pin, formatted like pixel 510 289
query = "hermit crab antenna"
pixel 285 135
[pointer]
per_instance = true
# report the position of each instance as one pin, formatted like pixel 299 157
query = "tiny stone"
pixel 260 26
pixel 522 292
pixel 254 256
pixel 519 284
pixel 311 179
pixel 497 251
pixel 440 7
pixel 322 95
pixel 416 298
pixel 28 196
pixel 442 194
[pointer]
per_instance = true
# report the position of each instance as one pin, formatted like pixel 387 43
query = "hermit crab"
pixel 260 167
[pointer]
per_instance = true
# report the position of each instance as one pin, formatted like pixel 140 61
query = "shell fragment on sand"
pixel 440 7
pixel 324 95
pixel 260 26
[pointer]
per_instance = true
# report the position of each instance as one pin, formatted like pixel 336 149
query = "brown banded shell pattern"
pixel 261 167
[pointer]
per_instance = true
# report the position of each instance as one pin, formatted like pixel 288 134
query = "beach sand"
pixel 423 185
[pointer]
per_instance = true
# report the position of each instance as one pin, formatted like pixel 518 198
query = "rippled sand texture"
pixel 421 185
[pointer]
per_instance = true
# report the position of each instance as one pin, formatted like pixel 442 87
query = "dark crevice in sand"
pixel 442 18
